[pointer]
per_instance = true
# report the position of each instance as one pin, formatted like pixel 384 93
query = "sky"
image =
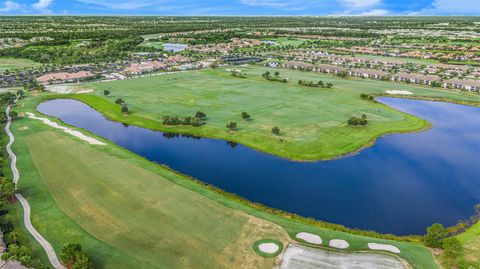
pixel 241 7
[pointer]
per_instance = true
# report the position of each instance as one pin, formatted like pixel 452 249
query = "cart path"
pixel 52 256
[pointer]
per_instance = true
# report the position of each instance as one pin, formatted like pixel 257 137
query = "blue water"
pixel 401 185
pixel 174 47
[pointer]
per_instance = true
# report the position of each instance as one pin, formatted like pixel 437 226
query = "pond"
pixel 174 47
pixel 400 185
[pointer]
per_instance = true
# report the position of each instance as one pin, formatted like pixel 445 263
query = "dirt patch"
pixel 23 128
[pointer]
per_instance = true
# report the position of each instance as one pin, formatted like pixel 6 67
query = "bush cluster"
pixel 358 121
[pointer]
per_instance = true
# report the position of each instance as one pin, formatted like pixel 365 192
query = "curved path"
pixel 52 256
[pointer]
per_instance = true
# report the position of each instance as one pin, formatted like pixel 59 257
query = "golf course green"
pixel 130 213
pixel 312 121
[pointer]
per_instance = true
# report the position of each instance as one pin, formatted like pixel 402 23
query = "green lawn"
pixel 14 63
pixel 470 240
pixel 312 120
pixel 157 45
pixel 130 213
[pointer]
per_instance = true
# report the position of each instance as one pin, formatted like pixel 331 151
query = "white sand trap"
pixel 84 91
pixel 302 257
pixel 77 134
pixel 59 89
pixel 338 243
pixel 269 248
pixel 398 92
pixel 376 246
pixel 309 238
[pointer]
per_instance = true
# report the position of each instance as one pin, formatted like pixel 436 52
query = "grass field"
pixel 130 213
pixel 470 240
pixel 14 63
pixel 312 120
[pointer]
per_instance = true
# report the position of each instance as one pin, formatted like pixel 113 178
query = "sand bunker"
pixel 269 248
pixel 338 243
pixel 309 238
pixel 302 257
pixel 84 91
pixel 398 92
pixel 59 89
pixel 77 134
pixel 376 246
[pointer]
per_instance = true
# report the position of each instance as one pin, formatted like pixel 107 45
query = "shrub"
pixel 358 121
pixel 106 92
pixel 245 116
pixel 232 126
pixel 435 234
pixel 276 130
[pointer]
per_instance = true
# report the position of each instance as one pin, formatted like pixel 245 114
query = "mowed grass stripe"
pixel 136 210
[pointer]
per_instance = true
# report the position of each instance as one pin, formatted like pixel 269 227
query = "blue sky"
pixel 242 7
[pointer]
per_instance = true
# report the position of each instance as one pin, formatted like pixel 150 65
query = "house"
pixel 415 78
pixel 177 59
pixel 298 65
pixel 367 73
pixel 142 67
pixel 273 64
pixel 11 264
pixel 64 77
pixel 330 69
pixel 462 84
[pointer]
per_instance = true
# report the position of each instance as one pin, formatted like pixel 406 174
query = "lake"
pixel 401 185
pixel 174 47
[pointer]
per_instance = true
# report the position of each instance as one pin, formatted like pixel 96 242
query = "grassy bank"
pixel 470 241
pixel 312 121
pixel 11 64
pixel 130 213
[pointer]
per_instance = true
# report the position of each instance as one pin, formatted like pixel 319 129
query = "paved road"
pixel 26 206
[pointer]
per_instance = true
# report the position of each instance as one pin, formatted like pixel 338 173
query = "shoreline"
pixel 113 116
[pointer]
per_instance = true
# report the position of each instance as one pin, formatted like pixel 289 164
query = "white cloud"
pixel 359 4
pixel 451 7
pixel 9 6
pixel 123 4
pixel 283 4
pixel 372 12
pixel 375 12
pixel 43 5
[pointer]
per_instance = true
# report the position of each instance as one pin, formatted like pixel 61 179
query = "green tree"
pixel 452 247
pixel 435 234
pixel 106 92
pixel 200 115
pixel 119 101
pixel 74 257
pixel 232 126
pixel 19 253
pixel 12 114
pixel 277 74
pixel 276 130
pixel 124 109
pixel 245 116
pixel 20 94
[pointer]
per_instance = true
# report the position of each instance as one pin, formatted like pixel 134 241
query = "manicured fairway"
pixel 130 213
pixel 312 120
pixel 13 63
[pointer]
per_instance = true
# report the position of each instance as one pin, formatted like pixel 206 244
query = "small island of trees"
pixel 276 77
pixel 319 84
pixel 358 121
